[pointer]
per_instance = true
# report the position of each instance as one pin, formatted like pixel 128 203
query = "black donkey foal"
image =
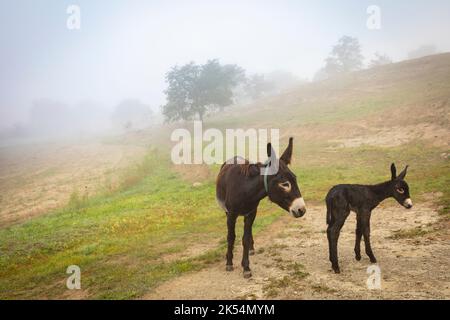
pixel 240 186
pixel 361 199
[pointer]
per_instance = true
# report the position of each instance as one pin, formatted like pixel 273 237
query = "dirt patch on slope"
pixel 396 136
pixel 36 179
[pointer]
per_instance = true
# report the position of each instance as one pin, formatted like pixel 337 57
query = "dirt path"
pixel 292 262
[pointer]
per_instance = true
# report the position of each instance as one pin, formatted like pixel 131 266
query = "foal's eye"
pixel 401 190
pixel 286 186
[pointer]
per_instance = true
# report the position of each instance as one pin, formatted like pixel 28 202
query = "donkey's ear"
pixel 402 174
pixel 393 172
pixel 270 151
pixel 287 154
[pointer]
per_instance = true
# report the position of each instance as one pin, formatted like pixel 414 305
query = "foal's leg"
pixel 246 242
pixel 366 233
pixel 231 223
pixel 333 232
pixel 358 237
pixel 252 243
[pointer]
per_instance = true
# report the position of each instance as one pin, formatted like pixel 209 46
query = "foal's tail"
pixel 329 203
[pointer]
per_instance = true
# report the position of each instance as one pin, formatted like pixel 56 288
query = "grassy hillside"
pixel 158 225
pixel 124 243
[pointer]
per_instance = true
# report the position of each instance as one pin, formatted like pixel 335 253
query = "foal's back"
pixel 347 196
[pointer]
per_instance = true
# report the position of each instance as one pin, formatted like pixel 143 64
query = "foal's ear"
pixel 393 172
pixel 402 174
pixel 287 154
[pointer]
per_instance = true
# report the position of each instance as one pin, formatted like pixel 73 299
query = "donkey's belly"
pixel 222 204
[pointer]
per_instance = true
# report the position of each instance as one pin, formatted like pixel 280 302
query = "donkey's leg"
pixel 366 233
pixel 333 233
pixel 231 223
pixel 358 237
pixel 246 242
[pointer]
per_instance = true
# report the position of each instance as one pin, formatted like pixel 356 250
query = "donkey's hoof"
pixel 229 268
pixel 373 260
pixel 247 274
pixel 358 257
pixel 336 270
pixel 251 252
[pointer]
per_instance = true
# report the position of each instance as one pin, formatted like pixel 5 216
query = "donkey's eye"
pixel 286 186
pixel 401 190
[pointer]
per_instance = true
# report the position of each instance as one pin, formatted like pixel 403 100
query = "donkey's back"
pixel 229 179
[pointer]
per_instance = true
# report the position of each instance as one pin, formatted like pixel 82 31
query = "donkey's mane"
pixel 245 167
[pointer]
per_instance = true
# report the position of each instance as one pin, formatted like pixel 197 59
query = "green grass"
pixel 119 240
pixel 410 233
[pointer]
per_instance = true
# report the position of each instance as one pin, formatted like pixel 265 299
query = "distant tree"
pixel 422 51
pixel 216 84
pixel 182 93
pixel 256 86
pixel 345 57
pixel 379 60
pixel 132 114
pixel 195 89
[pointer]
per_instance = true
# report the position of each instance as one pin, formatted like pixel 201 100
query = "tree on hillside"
pixel 182 93
pixel 379 60
pixel 195 89
pixel 216 84
pixel 344 57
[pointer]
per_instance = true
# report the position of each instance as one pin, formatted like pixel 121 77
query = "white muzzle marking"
pixel 297 204
pixel 408 203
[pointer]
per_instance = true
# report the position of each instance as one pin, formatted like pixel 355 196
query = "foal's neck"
pixel 381 191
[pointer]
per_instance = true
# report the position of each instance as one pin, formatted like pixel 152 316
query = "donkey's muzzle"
pixel 298 208
pixel 298 213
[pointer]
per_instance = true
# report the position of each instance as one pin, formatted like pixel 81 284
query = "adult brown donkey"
pixel 241 186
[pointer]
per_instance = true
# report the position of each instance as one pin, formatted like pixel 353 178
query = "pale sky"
pixel 124 48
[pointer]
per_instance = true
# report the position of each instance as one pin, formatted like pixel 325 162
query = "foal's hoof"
pixel 358 257
pixel 251 252
pixel 247 274
pixel 229 268
pixel 373 260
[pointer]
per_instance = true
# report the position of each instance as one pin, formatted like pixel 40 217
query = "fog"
pixel 123 50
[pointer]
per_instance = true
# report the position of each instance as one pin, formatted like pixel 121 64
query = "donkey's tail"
pixel 329 205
